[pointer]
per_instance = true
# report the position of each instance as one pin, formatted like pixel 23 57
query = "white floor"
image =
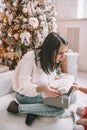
pixel 82 81
pixel 16 125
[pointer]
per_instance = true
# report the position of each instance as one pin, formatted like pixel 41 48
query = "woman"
pixel 33 75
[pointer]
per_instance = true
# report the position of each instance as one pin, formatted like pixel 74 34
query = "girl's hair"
pixel 51 44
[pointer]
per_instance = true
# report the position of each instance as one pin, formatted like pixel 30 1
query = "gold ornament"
pixel 1 49
pixel 17 27
pixel 10 55
pixel 10 40
pixel 10 32
pixel 2 16
pixel 25 20
pixel 16 36
pixel 9 35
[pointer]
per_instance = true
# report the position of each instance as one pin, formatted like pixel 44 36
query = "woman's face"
pixel 61 53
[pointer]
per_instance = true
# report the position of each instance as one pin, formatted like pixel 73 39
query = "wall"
pixel 82 49
pixel 66 8
pixel 71 9
pixel 73 14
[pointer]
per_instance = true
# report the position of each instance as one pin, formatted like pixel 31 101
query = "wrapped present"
pixel 64 85
pixel 72 63
pixel 62 101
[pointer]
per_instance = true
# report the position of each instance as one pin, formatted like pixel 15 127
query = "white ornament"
pixel 25 37
pixel 9 16
pixel 53 19
pixel 47 8
pixel 25 20
pixel 33 22
pixel 35 3
pixel 55 25
pixel 52 27
pixel 25 10
pixel 14 4
pixel 2 7
pixel 42 23
pixel 8 48
pixel 42 17
pixel 39 10
pixel 9 35
pixel 38 34
pixel 30 8
pixel 45 30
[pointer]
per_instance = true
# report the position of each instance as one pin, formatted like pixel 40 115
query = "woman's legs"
pixel 34 105
pixel 40 109
pixel 22 99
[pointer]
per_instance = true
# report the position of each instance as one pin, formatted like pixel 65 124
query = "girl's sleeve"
pixel 25 85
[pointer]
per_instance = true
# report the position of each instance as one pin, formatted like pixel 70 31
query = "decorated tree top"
pixel 25 23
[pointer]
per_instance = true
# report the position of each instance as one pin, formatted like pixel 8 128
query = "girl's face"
pixel 61 53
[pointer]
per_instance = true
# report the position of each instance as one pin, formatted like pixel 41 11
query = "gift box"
pixel 64 85
pixel 72 63
pixel 62 101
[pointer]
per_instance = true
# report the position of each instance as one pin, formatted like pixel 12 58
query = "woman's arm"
pixel 48 91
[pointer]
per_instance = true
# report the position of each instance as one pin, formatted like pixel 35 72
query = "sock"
pixel 30 118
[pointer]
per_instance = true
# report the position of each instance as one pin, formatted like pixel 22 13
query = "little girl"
pixel 83 119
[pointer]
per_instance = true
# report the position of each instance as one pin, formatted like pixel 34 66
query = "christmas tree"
pixel 23 26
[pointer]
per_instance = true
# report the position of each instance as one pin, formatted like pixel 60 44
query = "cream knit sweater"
pixel 27 76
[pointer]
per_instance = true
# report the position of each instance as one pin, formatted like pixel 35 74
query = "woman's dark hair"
pixel 52 43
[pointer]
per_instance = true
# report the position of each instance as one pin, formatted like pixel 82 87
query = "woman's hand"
pixel 51 92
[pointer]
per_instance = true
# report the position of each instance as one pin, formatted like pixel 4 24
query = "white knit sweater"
pixel 27 76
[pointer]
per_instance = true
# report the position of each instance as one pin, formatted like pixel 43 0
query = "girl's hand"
pixel 51 92
pixel 75 87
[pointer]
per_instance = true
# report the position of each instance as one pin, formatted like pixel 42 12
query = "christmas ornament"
pixel 25 20
pixel 15 4
pixel 25 37
pixel 9 16
pixel 25 10
pixel 16 36
pixel 2 7
pixel 33 22
pixel 2 16
pixel 39 11
pixel 42 17
pixel 30 8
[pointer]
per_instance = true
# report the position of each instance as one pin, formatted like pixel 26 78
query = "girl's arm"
pixel 82 89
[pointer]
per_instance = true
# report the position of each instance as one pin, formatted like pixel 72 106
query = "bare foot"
pixel 81 121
